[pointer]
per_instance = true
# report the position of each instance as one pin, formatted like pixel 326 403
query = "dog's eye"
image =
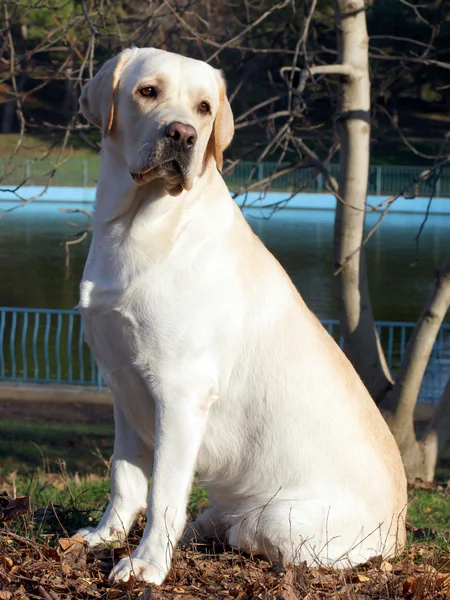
pixel 148 92
pixel 204 108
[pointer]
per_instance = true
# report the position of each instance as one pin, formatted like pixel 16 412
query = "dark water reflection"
pixel 32 269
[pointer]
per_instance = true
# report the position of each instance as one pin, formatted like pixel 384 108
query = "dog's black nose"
pixel 182 136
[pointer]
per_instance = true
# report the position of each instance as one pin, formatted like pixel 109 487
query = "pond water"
pixel 33 273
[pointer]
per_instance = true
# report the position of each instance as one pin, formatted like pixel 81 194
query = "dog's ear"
pixel 97 100
pixel 223 127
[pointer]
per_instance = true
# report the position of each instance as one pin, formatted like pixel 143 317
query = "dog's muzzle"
pixel 182 137
pixel 170 159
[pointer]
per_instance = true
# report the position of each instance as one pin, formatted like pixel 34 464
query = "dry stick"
pixel 229 43
pixel 257 107
pixel 242 33
pixel 14 86
pixel 44 594
pixel 267 149
pixel 19 99
pixel 339 69
pixel 367 238
pixel 388 203
pixel 40 48
pixel 398 39
pixel 319 165
pixel 423 176
pixel 275 175
pixel 276 115
pixel 281 157
pixel 437 174
pixel 405 139
pixel 80 236
pixel 301 43
pixel 22 540
pixel 88 19
pixel 416 11
pixel 428 46
pixel 232 163
pixel 427 61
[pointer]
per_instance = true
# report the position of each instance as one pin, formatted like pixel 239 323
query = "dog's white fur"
pixel 215 362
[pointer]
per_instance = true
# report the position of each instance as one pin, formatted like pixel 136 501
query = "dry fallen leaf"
pixel 386 566
pixel 359 578
pixel 443 580
pixel 66 543
pixel 288 586
pixel 410 586
pixel 74 553
pixel 426 569
pixel 9 509
pixel 5 595
pixel 6 562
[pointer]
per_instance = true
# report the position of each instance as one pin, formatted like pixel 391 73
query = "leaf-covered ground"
pixel 39 560
pixel 53 477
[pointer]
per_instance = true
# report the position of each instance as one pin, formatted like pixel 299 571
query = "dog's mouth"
pixel 170 166
pixel 173 171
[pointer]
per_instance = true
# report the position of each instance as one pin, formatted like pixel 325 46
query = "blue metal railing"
pixel 47 346
pixel 383 179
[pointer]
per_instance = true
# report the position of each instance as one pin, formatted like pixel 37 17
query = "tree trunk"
pixel 361 342
pixel 439 425
pixel 420 457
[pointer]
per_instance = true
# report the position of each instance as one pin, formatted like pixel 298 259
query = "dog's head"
pixel 167 114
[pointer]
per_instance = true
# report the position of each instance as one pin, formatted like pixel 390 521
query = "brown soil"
pixel 65 570
pixel 56 412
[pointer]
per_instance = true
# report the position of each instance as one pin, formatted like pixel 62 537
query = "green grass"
pixel 75 171
pixel 428 509
pixel 40 161
pixel 67 502
pixel 31 146
pixel 29 445
pixel 64 466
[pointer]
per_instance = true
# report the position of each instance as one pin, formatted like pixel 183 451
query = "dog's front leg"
pixel 130 472
pixel 180 424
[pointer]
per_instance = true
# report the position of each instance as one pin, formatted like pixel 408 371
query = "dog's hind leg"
pixel 294 531
pixel 207 525
pixel 130 472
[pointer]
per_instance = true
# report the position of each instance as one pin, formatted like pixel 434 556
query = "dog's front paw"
pixel 97 538
pixel 138 569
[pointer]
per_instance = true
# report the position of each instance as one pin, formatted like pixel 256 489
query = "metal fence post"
pixel 378 183
pixel 320 181
pixel 438 185
pixel 19 343
pixel 260 171
pixel 85 172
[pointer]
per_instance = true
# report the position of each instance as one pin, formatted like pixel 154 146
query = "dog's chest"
pixel 149 318
pixel 122 350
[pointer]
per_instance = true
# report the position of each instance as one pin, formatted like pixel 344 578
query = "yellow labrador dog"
pixel 215 363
